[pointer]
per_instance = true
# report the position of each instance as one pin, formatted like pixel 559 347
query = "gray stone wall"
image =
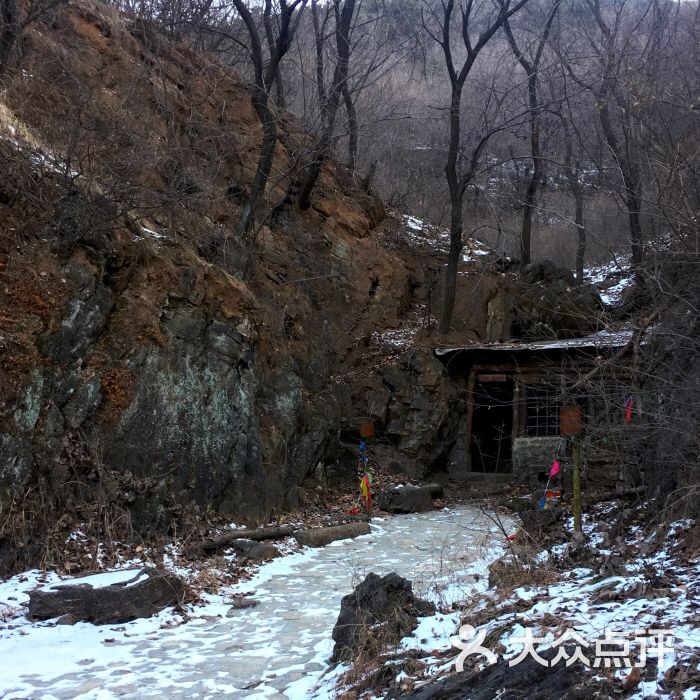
pixel 532 455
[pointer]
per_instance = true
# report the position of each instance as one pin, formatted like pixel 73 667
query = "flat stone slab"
pixel 321 536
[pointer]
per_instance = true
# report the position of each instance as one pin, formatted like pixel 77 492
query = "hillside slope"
pixel 153 365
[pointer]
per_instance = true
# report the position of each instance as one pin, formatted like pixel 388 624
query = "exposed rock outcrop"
pixel 151 361
pixel 416 407
pixel 380 610
pixel 407 499
pixel 549 303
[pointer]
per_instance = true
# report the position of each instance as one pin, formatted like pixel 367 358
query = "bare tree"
pixel 320 20
pixel 329 110
pixel 622 45
pixel 265 74
pixel 458 174
pixel 574 179
pixel 531 66
pixel 268 20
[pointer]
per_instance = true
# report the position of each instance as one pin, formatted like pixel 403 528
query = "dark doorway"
pixel 492 427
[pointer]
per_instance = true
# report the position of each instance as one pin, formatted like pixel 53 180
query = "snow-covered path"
pixel 278 649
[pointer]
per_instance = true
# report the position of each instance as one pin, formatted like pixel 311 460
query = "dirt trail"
pixel 278 649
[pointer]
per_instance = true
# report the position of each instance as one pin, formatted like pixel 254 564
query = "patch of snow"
pixel 611 280
pixel 433 633
pixel 152 233
pixel 130 577
pixel 593 607
pixel 413 223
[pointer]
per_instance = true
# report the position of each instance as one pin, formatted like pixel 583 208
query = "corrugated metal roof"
pixel 600 339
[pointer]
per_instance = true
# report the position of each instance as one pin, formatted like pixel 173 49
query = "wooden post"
pixel 571 425
pixel 576 459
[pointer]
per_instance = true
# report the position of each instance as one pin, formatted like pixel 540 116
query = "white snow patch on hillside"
pixel 654 592
pixel 611 280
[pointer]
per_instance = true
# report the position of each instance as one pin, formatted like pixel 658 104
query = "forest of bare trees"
pixel 563 130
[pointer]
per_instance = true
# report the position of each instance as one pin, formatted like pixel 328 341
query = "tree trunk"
pixel 340 77
pixel 257 535
pixel 573 178
pixel 279 86
pixel 531 67
pixel 634 209
pixel 267 154
pixel 631 180
pixel 352 129
pixel 319 41
pixel 456 216
pixel 581 232
pixel 270 36
pixel 265 76
pixel 531 195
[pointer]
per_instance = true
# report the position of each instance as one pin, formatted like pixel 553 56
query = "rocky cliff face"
pixel 155 368
pixel 120 355
pixel 153 365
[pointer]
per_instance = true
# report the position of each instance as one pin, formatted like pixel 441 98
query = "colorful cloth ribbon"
pixel 556 468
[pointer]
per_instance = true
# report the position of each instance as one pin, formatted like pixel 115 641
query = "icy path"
pixel 278 649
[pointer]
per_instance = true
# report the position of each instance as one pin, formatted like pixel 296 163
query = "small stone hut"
pixel 518 394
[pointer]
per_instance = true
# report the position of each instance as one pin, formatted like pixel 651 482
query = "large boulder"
pixel 549 303
pixel 381 610
pixel 254 551
pixel 126 596
pixel 407 499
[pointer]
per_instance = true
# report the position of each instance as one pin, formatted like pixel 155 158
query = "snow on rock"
pixel 611 280
pixel 130 577
pixel 420 233
pixel 474 249
pixel 152 233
